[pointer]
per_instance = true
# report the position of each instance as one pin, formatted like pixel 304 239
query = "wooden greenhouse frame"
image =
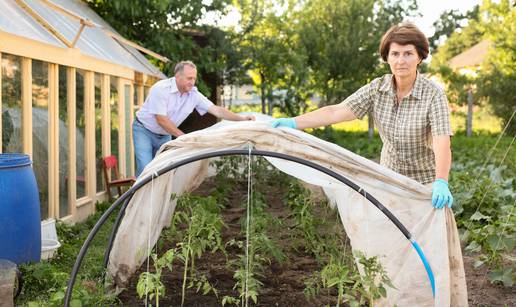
pixel 130 89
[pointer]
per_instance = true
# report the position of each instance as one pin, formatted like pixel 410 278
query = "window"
pixel 128 103
pixel 64 137
pixel 98 132
pixel 80 133
pixel 40 135
pixel 11 104
pixel 113 102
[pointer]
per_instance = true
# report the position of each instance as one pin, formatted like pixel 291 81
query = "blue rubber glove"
pixel 284 122
pixel 441 194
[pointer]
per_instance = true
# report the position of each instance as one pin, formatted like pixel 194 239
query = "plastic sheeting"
pixel 93 40
pixel 369 230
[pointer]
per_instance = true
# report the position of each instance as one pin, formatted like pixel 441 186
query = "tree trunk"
pixel 262 94
pixel 269 101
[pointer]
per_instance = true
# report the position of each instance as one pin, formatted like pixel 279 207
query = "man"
pixel 169 103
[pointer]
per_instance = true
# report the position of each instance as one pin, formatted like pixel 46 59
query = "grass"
pixel 45 282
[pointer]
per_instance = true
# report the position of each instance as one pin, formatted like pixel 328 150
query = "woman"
pixel 410 111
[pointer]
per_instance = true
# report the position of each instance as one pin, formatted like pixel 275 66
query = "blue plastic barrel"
pixel 20 226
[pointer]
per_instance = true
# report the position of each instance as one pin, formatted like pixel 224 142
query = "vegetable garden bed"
pixel 298 250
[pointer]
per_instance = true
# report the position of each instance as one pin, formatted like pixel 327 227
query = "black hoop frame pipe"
pixel 231 152
pixel 115 230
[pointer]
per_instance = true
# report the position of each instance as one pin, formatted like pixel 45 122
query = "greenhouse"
pixel 69 88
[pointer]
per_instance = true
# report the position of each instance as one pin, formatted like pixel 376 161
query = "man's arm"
pixel 224 113
pixel 168 125
pixel 443 158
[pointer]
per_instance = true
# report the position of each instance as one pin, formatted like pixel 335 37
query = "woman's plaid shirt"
pixel 406 129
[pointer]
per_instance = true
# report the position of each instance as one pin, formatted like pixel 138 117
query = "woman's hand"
pixel 284 122
pixel 441 194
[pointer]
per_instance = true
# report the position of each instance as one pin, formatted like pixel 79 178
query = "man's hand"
pixel 441 194
pixel 284 122
pixel 168 125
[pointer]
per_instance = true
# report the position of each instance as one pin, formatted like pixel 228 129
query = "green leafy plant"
pixel 203 232
pixel 149 283
pixel 374 279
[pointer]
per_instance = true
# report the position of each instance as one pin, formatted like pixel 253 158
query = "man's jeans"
pixel 146 143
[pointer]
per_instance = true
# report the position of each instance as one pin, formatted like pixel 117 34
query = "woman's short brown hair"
pixel 404 34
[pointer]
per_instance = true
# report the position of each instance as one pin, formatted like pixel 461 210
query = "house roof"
pixel 96 41
pixel 472 57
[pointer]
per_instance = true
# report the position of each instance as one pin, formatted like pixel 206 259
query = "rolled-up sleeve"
pixel 439 115
pixel 361 101
pixel 203 104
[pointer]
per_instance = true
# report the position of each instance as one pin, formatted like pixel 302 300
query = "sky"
pixel 431 9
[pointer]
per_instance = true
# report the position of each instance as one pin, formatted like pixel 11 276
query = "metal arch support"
pixel 126 197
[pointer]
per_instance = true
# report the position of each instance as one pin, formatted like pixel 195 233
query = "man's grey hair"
pixel 181 66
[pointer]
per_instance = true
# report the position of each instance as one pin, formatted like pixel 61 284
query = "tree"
pixel 497 80
pixel 273 56
pixel 450 22
pixel 342 39
pixel 173 28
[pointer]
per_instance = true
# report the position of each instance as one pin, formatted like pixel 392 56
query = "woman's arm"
pixel 325 116
pixel 443 157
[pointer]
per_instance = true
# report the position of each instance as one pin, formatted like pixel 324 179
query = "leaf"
pixel 502 275
pixel 496 175
pixel 75 303
pixel 473 247
pixel 254 296
pixel 354 303
pixel 478 263
pixel 479 216
pixel 383 291
pixel 509 257
pixel 57 297
pixel 495 242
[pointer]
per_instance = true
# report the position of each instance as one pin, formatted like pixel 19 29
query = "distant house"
pixel 239 95
pixel 69 87
pixel 468 63
pixel 471 58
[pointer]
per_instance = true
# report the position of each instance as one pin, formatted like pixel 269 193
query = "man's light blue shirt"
pixel 165 99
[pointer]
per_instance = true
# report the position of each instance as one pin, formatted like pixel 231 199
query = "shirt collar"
pixel 417 90
pixel 173 85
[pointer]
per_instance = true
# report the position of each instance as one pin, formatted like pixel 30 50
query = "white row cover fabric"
pixel 369 230
pixel 93 40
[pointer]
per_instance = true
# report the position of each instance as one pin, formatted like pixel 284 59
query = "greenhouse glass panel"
pixel 80 128
pixel 98 133
pixel 115 120
pixel 128 102
pixel 11 104
pixel 64 162
pixel 145 92
pixel 40 136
